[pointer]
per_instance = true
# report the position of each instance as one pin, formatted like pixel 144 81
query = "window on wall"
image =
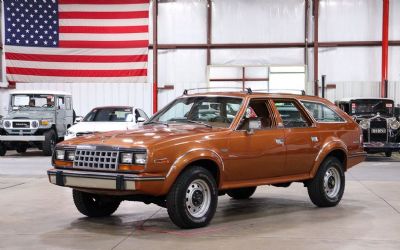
pixel 322 113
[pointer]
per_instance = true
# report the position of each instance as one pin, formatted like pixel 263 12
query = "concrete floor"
pixel 37 215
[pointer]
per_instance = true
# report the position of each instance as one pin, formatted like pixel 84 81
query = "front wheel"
pixel 22 149
pixel 192 200
pixel 327 187
pixel 50 139
pixel 3 149
pixel 388 154
pixel 93 205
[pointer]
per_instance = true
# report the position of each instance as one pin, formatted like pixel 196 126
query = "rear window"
pixel 321 112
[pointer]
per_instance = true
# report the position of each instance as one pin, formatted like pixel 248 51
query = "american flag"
pixel 76 40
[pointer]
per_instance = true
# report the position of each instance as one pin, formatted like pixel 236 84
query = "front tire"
pixel 241 193
pixel 50 139
pixel 193 199
pixel 3 149
pixel 93 205
pixel 388 154
pixel 21 149
pixel 327 187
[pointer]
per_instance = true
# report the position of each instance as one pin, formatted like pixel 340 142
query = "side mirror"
pixel 78 119
pixel 140 120
pixel 129 118
pixel 254 124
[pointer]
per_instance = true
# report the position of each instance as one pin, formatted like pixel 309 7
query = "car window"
pixel 291 115
pixel 60 103
pixel 321 112
pixel 68 103
pixel 257 109
pixel 108 115
pixel 143 114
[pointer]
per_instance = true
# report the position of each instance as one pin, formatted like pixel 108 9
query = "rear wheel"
pixel 192 200
pixel 388 154
pixel 3 149
pixel 327 187
pixel 50 140
pixel 241 193
pixel 21 149
pixel 93 205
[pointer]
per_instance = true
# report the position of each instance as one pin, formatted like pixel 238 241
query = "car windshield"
pixel 207 111
pixel 32 101
pixel 373 106
pixel 112 114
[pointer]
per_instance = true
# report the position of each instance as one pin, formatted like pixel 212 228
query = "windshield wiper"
pixel 200 123
pixel 156 122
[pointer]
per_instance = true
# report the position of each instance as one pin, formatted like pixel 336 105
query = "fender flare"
pixel 327 148
pixel 191 156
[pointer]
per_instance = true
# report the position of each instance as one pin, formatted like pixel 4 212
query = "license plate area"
pixel 378 130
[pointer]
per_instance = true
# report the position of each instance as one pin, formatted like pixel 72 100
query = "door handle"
pixel 314 138
pixel 280 141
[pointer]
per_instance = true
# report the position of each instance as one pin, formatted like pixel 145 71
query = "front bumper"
pixel 381 146
pixel 97 180
pixel 26 138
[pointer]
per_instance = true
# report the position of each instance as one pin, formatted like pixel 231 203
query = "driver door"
pixel 60 116
pixel 261 154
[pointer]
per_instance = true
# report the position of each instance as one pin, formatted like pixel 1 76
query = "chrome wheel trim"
pixel 332 182
pixel 198 198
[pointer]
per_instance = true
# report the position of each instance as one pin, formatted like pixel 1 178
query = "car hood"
pixel 99 126
pixel 30 115
pixel 145 136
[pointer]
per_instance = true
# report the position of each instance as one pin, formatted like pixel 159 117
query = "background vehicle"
pixel 183 160
pixel 376 116
pixel 109 118
pixel 35 119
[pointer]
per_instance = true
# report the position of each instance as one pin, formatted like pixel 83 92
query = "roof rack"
pixel 284 91
pixel 248 90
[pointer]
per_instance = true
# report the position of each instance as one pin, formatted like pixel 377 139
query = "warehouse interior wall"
pixel 357 69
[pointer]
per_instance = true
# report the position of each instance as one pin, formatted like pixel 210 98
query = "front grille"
pixel 96 159
pixel 21 125
pixel 376 127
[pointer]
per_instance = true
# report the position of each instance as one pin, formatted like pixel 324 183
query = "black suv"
pixel 376 117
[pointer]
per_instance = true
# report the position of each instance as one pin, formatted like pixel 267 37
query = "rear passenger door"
pixel 301 136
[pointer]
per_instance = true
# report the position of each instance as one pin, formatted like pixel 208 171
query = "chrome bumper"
pixel 85 179
pixel 382 146
pixel 22 138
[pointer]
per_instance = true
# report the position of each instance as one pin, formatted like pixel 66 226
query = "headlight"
pixel 7 124
pixel 394 124
pixel 126 158
pixel 35 124
pixel 364 124
pixel 60 155
pixel 70 155
pixel 140 159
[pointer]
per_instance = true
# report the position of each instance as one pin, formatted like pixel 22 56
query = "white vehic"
pixel 83 127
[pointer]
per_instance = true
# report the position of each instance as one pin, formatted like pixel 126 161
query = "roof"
pixel 255 94
pixel 113 106
pixel 348 99
pixel 40 92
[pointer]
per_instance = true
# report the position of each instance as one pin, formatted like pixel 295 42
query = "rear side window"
pixel 321 112
pixel 291 115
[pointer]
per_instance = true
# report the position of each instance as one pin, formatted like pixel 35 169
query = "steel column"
pixel 209 30
pixel 315 13
pixel 155 57
pixel 385 48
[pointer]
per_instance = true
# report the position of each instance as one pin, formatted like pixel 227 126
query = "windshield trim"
pixel 162 111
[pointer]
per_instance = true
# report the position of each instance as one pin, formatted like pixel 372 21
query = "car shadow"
pixel 29 153
pixel 382 158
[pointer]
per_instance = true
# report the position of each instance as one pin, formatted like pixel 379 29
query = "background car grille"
pixel 378 137
pixel 95 159
pixel 21 125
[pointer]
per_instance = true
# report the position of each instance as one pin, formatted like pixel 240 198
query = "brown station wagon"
pixel 201 146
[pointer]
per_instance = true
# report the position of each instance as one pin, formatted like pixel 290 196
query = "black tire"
pixel 316 189
pixel 21 149
pixel 200 186
pixel 93 205
pixel 241 193
pixel 3 149
pixel 49 142
pixel 388 154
